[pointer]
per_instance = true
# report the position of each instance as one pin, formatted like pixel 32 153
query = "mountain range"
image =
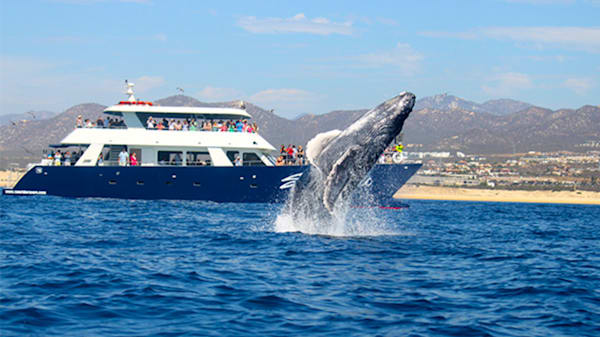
pixel 27 116
pixel 437 123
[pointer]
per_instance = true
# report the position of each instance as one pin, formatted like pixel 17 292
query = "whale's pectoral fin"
pixel 340 176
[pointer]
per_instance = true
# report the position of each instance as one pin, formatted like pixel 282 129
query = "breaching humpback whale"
pixel 340 160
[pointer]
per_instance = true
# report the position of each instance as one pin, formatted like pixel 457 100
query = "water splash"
pixel 356 222
pixel 298 216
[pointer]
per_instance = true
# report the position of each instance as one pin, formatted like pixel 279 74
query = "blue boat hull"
pixel 219 184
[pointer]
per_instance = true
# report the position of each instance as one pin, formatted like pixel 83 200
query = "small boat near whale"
pixel 212 165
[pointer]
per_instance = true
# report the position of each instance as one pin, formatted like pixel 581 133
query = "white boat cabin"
pixel 201 136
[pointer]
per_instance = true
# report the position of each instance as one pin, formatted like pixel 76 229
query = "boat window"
pixel 231 155
pixel 271 158
pixel 110 155
pixel 198 159
pixel 170 158
pixel 252 159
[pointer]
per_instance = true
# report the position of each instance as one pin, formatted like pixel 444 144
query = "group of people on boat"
pixel 124 159
pixel 290 155
pixel 99 123
pixel 191 124
pixel 68 158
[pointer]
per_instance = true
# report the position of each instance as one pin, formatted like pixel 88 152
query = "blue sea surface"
pixel 92 267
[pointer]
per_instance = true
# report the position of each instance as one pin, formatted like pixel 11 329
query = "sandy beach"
pixel 8 178
pixel 410 191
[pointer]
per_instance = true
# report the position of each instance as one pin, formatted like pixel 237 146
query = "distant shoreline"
pixel 8 178
pixel 410 191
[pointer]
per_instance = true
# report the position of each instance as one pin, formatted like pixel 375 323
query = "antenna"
pixel 129 91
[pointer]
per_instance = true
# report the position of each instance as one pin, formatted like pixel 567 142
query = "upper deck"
pixel 144 111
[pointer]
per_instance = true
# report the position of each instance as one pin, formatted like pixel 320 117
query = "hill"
pixel 438 123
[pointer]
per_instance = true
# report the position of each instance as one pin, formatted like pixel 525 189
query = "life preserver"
pixel 397 157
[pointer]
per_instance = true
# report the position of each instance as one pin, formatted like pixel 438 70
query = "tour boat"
pixel 174 164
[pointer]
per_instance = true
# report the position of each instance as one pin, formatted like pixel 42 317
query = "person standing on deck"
pixel 123 156
pixel 133 159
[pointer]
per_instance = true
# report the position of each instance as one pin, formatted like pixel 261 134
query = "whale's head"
pixel 343 158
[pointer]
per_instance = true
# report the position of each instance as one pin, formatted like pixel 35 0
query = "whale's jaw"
pixel 341 159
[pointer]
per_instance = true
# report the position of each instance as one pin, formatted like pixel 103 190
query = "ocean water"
pixel 92 267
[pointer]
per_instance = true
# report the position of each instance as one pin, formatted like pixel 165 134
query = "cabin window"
pixel 198 159
pixel 110 155
pixel 232 155
pixel 174 158
pixel 252 159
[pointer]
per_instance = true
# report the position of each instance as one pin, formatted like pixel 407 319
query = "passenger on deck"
pixel 279 161
pixel 300 155
pixel 100 161
pixel 237 161
pixel 79 122
pixel 176 160
pixel 150 123
pixel 123 156
pixel 159 126
pixel 67 158
pixel 57 158
pixel 290 153
pixel 133 159
pixel 282 150
pixel 255 127
pixel 100 122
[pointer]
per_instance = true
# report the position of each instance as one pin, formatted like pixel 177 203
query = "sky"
pixel 298 57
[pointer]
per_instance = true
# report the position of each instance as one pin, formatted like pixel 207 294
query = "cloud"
pixel 403 58
pixel 162 37
pixel 581 38
pixel 579 85
pixel 288 102
pixel 452 35
pixel 271 96
pixel 296 24
pixel 507 84
pixel 556 58
pixel 219 94
pixel 31 84
pixel 147 83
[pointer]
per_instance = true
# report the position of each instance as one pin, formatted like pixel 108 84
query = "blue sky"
pixel 298 56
